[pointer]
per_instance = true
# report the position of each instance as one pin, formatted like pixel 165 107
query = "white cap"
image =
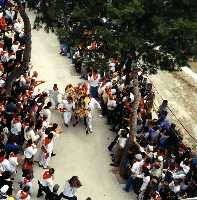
pixel 4 189
pixel 138 156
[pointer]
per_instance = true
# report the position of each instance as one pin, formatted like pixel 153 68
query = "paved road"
pixel 77 154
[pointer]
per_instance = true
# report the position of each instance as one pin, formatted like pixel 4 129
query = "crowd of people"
pixel 158 165
pixel 27 134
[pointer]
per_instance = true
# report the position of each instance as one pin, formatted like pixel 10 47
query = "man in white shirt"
pixel 46 182
pixel 4 163
pixel 93 80
pixel 47 112
pixel 135 171
pixel 18 26
pixel 16 125
pixel 23 194
pixel 46 151
pixel 111 105
pixel 70 189
pixel 91 106
pixel 16 128
pixel 30 150
pixel 29 133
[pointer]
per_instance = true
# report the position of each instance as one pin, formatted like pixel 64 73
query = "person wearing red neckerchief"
pixel 46 182
pixel 4 163
pixel 46 151
pixel 13 159
pixel 23 194
pixel 16 127
pixel 30 150
pixel 26 181
pixel 94 79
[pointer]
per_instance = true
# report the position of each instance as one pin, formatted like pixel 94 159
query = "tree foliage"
pixel 124 24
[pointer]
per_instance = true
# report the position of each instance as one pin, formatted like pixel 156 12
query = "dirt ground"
pixel 193 66
pixel 181 92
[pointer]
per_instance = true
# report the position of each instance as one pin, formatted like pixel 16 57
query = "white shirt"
pixel 22 81
pixel 136 168
pixel 68 190
pixel 185 168
pixel 13 161
pixel 111 104
pixel 45 125
pixel 16 128
pixel 18 196
pixel 68 106
pixel 30 134
pixel 5 166
pixel 15 47
pixel 146 180
pixel 5 57
pixel 132 97
pixel 48 182
pixel 18 27
pixel 2 83
pixel 29 152
pixel 122 142
pixel 46 113
pixel 29 183
pixel 48 147
pixel 94 82
pixel 93 104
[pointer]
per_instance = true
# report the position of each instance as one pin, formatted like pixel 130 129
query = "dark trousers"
pixel 93 92
pixel 42 189
pixel 69 198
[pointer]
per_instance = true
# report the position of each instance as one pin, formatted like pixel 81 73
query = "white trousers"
pixel 89 121
pixel 67 117
pixel 43 160
pixel 54 101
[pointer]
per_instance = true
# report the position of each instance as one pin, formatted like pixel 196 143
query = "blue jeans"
pixel 129 184
pixel 94 92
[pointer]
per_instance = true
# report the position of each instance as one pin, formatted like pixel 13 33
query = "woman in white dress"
pixel 54 96
pixel 68 107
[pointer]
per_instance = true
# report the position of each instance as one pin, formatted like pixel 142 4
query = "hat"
pixel 4 189
pixel 160 158
pixel 138 157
